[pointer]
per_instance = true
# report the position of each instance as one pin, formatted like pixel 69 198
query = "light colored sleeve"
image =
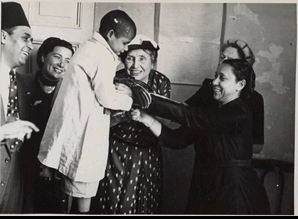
pixel 104 88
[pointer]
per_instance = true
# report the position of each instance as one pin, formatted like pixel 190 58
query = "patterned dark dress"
pixel 133 179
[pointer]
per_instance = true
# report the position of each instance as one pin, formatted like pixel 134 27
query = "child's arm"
pixel 105 90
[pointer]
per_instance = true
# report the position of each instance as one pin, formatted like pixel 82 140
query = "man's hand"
pixel 46 173
pixel 17 129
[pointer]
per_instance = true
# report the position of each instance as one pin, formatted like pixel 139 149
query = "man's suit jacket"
pixel 11 189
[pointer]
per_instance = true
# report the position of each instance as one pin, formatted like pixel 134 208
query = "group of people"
pixel 77 139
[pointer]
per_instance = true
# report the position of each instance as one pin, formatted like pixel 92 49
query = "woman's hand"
pixel 141 116
pixel 49 174
pixel 137 115
pixel 153 124
pixel 46 173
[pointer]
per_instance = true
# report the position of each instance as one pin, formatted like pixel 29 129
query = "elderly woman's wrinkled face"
pixel 138 64
pixel 229 53
pixel 56 62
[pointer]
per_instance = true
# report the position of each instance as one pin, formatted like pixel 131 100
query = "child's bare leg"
pixel 80 205
pixel 83 204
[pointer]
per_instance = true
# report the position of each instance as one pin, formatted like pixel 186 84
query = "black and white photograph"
pixel 163 108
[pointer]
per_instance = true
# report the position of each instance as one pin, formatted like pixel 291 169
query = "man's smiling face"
pixel 17 46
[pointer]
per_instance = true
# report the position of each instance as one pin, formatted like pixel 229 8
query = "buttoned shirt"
pixel 76 137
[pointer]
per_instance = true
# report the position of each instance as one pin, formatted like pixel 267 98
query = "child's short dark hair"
pixel 118 21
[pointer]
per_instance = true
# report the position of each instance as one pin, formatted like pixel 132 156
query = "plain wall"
pixel 271 32
pixel 189 36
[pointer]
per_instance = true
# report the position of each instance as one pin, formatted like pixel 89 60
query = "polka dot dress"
pixel 133 180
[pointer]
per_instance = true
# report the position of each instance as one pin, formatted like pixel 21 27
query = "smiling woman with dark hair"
pixel 223 180
pixel 53 57
pixel 237 49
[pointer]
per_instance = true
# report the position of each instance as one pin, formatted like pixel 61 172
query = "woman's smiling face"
pixel 56 62
pixel 225 86
pixel 138 64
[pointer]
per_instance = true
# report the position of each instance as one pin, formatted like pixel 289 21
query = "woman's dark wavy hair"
pixel 48 46
pixel 243 71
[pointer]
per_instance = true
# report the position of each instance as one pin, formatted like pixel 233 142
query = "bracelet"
pixel 151 124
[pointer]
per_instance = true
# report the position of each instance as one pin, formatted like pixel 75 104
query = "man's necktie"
pixel 12 108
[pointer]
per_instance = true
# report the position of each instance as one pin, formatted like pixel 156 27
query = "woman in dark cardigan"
pixel 223 180
pixel 236 49
pixel 42 195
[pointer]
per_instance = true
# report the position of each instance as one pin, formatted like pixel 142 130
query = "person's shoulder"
pixel 257 95
pixel 121 73
pixel 255 99
pixel 27 77
pixel 237 107
pixel 160 75
pixel 26 81
pixel 93 45
pixel 92 52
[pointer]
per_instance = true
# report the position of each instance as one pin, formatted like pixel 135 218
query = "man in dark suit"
pixel 16 45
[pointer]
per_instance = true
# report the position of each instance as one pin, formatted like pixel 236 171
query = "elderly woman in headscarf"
pixel 133 179
pixel 236 49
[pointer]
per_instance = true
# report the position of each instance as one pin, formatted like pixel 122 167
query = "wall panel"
pixel 71 21
pixel 189 39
